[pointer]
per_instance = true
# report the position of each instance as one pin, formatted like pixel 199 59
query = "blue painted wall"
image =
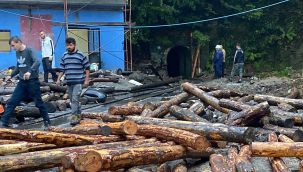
pixel 111 37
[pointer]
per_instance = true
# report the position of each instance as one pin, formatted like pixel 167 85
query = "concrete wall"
pixel 111 37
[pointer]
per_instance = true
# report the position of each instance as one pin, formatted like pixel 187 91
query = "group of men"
pixel 219 59
pixel 74 65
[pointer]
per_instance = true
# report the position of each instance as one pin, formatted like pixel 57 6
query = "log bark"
pixel 116 159
pixel 233 105
pixel 218 163
pixel 7 149
pixel 198 108
pixel 277 163
pixel 248 116
pixel 204 97
pixel 126 127
pixel 59 139
pixel 272 100
pixel 294 93
pixel 301 166
pixel 103 116
pixel 225 94
pixel 243 160
pixel 163 109
pixel 286 107
pixel 84 130
pixel 180 168
pixel 246 98
pixel 231 159
pixel 213 131
pixel 181 137
pixel 184 114
pixel 55 88
pixel 277 149
pixel 297 117
pixel 62 104
pixel 152 105
pixel 295 134
pixel 52 158
pixel 281 121
pixel 125 110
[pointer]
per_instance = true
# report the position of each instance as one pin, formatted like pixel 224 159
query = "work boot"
pixel 240 81
pixel 46 126
pixel 2 125
pixel 75 119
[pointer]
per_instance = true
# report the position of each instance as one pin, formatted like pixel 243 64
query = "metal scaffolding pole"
pixel 66 18
pixel 130 35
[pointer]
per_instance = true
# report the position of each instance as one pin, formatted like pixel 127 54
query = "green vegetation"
pixel 266 35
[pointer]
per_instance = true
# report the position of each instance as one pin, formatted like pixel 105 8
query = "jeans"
pixel 25 88
pixel 237 69
pixel 47 68
pixel 74 92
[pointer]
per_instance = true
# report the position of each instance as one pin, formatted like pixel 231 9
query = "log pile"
pixel 222 128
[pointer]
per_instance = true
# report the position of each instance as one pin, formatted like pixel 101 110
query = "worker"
pixel 218 62
pixel 27 70
pixel 238 64
pixel 73 64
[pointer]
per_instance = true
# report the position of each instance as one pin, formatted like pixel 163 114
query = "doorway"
pixel 179 62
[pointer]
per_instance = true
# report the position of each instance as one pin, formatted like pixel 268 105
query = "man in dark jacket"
pixel 27 70
pixel 218 62
pixel 238 63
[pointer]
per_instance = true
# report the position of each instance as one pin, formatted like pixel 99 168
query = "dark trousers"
pixel 47 68
pixel 218 70
pixel 223 69
pixel 25 88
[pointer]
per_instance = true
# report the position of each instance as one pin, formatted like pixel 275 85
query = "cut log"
pixel 272 100
pixel 243 160
pixel 233 105
pixel 295 134
pixel 58 139
pixel 152 105
pixel 198 154
pixel 4 142
pixel 281 121
pixel 286 107
pixel 180 168
pixel 204 97
pixel 27 111
pixel 246 99
pixel 85 130
pixel 49 97
pixel 231 159
pixel 154 84
pixel 126 127
pixel 125 110
pixel 294 93
pixel 7 149
pixel 277 163
pixel 62 104
pixel 103 116
pixel 248 116
pixel 218 163
pixel 184 114
pixel 55 88
pixel 225 94
pixel 277 149
pixel 198 108
pixel 301 166
pixel 52 158
pixel 213 131
pixel 181 137
pixel 163 109
pixel 297 117
pixel 116 159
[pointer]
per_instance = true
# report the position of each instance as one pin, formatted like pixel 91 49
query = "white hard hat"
pixel 218 46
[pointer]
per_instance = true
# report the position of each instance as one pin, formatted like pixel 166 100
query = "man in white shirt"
pixel 47 48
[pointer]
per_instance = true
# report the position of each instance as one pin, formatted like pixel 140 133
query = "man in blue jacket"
pixel 238 63
pixel 218 62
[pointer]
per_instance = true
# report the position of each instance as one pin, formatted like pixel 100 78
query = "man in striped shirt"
pixel 75 66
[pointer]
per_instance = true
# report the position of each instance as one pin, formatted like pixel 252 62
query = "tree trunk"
pixel 213 131
pixel 225 94
pixel 233 105
pixel 272 100
pixel 248 116
pixel 218 163
pixel 116 159
pixel 286 107
pixel 162 110
pixel 277 163
pixel 181 137
pixel 185 115
pixel 7 149
pixel 295 134
pixel 297 117
pixel 210 100
pixel 198 108
pixel 243 160
pixel 103 116
pixel 59 139
pixel 277 149
pixel 52 158
pixel 84 130
pixel 231 159
pixel 125 110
